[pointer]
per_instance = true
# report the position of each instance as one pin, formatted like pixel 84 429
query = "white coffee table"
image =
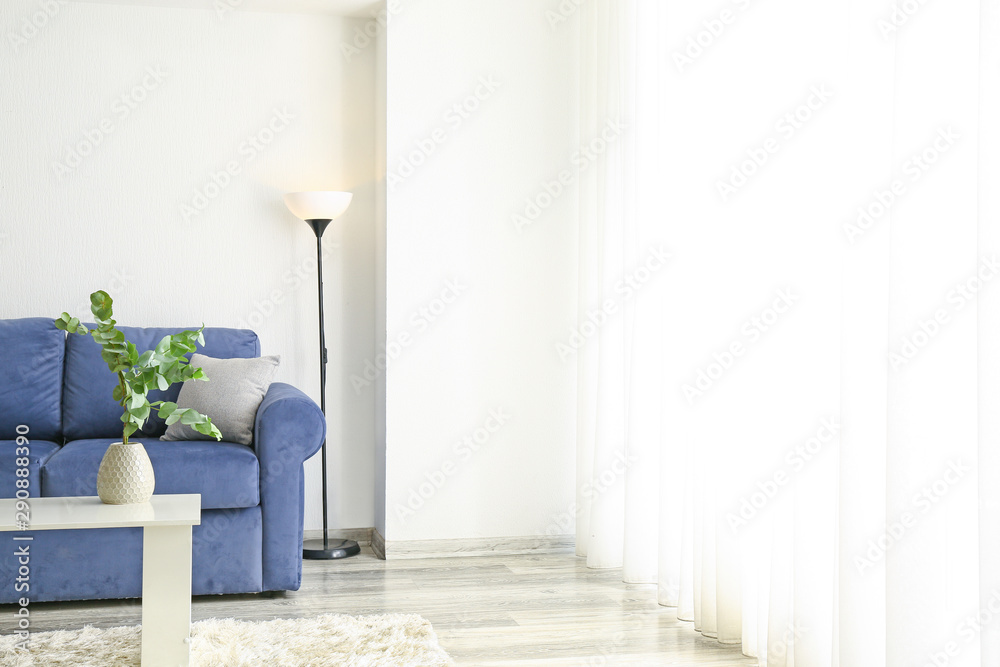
pixel 166 522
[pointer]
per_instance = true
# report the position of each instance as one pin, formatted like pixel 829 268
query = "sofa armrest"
pixel 290 428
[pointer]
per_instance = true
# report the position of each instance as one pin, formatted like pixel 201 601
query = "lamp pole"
pixel 312 550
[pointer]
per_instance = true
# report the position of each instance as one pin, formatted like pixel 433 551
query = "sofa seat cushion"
pixel 38 453
pixel 226 474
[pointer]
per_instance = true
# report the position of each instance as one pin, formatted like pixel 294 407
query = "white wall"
pixel 249 262
pixel 115 220
pixel 493 347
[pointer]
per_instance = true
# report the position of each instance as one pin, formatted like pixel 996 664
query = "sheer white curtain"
pixel 791 424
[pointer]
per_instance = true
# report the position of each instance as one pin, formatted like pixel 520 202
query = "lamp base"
pixel 313 549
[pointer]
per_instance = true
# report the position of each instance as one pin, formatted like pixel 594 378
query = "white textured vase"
pixel 125 475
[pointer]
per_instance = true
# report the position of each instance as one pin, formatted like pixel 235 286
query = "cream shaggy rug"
pixel 324 641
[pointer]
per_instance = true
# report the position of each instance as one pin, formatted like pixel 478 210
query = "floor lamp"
pixel 319 209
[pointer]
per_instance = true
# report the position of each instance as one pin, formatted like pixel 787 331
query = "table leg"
pixel 166 596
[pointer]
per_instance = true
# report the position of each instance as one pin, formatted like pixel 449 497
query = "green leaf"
pixel 190 417
pixel 208 428
pixel 162 383
pixel 130 428
pixel 101 306
pixel 167 409
pixel 163 345
pixel 174 372
pixel 180 348
pixel 69 324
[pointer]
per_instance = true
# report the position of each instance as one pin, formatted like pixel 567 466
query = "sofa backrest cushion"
pixel 89 411
pixel 31 370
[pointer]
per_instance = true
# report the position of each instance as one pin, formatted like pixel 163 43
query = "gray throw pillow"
pixel 234 391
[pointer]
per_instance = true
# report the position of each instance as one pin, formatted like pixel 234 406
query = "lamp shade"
pixel 318 205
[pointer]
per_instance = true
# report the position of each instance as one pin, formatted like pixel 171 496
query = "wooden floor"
pixel 492 610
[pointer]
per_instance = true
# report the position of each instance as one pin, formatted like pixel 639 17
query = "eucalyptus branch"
pixel 158 368
pixel 121 385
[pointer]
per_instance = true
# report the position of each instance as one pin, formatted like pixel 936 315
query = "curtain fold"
pixel 989 330
pixel 786 406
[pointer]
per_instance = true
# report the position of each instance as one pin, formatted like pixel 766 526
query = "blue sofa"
pixel 250 537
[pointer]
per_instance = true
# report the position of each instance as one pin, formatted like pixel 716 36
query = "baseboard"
pixel 359 535
pixel 378 544
pixel 479 546
pixel 475 546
